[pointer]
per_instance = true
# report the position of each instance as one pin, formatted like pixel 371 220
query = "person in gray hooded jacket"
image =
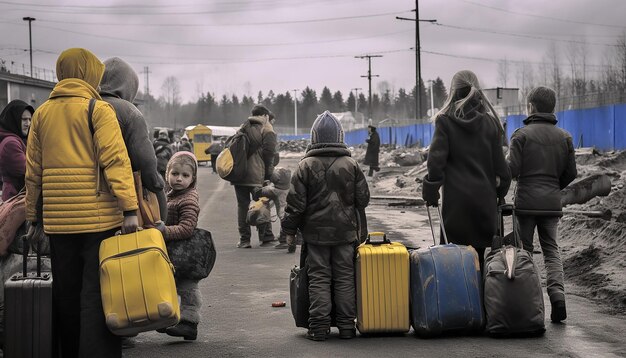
pixel 119 87
pixel 327 190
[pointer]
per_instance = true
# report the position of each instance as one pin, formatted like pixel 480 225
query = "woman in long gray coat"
pixel 373 149
pixel 466 158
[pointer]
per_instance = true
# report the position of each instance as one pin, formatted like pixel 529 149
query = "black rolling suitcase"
pixel 28 313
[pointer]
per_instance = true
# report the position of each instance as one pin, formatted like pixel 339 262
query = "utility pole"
pixel 417 55
pixel 432 100
pixel 369 78
pixel 295 111
pixel 146 71
pixel 356 99
pixel 30 40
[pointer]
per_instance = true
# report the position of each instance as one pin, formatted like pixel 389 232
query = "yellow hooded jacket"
pixel 65 161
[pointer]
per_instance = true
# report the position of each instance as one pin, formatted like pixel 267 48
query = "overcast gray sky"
pixel 243 46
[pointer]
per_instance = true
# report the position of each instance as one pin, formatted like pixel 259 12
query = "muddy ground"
pixel 593 249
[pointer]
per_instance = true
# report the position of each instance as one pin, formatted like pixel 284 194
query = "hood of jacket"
pixel 11 118
pixel 175 158
pixel 475 113
pixel 79 63
pixel 541 117
pixel 258 120
pixel 327 150
pixel 119 80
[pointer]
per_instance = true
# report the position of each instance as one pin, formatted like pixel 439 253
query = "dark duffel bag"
pixel 193 258
pixel 513 297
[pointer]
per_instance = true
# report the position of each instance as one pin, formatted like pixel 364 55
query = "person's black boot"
pixel 347 333
pixel 559 313
pixel 187 330
pixel 316 335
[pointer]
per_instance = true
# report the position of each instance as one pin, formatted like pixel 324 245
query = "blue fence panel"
pixel 513 122
pixel 355 137
pixel 619 116
pixel 285 137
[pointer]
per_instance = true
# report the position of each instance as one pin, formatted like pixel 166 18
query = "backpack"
pixel 232 163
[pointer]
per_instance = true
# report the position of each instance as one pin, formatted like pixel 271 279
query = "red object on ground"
pixel 279 304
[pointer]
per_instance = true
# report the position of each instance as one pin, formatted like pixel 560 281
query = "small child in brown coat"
pixel 182 218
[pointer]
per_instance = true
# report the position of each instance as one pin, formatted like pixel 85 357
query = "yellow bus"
pixel 201 137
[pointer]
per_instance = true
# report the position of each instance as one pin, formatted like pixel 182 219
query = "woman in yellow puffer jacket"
pixel 86 184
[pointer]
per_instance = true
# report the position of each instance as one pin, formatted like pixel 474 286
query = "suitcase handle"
pixel 377 233
pixel 432 229
pixel 25 251
pixel 508 210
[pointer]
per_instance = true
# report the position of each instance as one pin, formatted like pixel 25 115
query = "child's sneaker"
pixel 187 330
pixel 347 333
pixel 316 335
pixel 244 245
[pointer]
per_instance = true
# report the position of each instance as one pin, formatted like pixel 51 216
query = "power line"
pixel 541 16
pixel 306 21
pixel 126 12
pixel 178 44
pixel 529 36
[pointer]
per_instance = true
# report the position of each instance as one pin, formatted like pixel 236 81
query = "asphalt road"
pixel 238 320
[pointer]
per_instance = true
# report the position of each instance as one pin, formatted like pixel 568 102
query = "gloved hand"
pixel 291 239
pixel 35 234
pixel 430 191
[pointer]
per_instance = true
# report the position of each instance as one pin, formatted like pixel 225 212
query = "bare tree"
pixel 525 77
pixel 171 96
pixel 503 71
pixel 556 80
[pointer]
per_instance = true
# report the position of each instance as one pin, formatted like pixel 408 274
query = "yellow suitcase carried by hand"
pixel 137 283
pixel 382 286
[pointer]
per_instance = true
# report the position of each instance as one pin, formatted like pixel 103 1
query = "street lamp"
pixel 356 104
pixel 30 40
pixel 432 101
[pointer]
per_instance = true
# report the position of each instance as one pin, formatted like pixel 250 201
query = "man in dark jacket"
pixel 262 139
pixel 373 149
pixel 327 189
pixel 542 160
pixel 119 88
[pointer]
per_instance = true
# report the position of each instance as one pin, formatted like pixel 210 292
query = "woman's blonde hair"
pixel 466 81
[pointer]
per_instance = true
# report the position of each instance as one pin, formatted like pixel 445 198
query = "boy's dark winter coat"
pixel 543 161
pixel 466 156
pixel 373 149
pixel 327 189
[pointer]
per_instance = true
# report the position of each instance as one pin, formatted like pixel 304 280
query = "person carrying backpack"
pixel 261 149
pixel 163 150
pixel 542 160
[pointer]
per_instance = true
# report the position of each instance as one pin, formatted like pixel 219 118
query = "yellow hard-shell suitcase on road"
pixel 137 283
pixel 382 286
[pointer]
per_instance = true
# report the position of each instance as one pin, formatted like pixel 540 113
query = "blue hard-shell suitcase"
pixel 446 288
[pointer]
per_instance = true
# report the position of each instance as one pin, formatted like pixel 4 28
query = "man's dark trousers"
pixel 80 324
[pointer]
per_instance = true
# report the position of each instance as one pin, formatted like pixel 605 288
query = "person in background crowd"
pixel 373 149
pixel 262 150
pixel 163 151
pixel 14 125
pixel 326 190
pixel 119 88
pixel 84 212
pixel 183 209
pixel 542 160
pixel 185 144
pixel 466 158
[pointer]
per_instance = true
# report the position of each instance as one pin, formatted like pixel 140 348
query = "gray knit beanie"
pixel 326 129
pixel 543 98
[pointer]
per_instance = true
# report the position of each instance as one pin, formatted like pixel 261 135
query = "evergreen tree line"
pixel 231 110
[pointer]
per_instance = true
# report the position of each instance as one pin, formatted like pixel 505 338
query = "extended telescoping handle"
pixel 25 251
pixel 505 209
pixel 432 229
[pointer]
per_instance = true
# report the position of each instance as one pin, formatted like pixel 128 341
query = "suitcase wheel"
pixel 165 309
pixel 112 321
